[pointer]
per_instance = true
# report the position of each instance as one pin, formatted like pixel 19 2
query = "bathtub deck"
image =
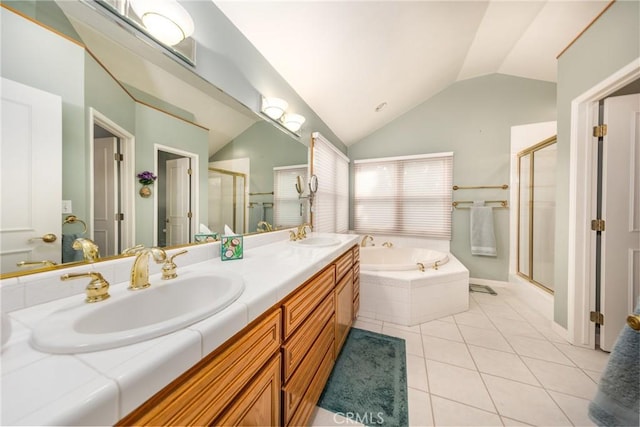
pixel 413 297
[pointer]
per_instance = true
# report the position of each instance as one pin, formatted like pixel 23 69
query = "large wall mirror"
pixel 125 108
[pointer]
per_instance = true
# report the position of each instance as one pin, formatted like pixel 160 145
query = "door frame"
pixel 582 204
pixel 127 182
pixel 195 187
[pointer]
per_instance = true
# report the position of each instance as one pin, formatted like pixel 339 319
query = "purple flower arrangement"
pixel 146 178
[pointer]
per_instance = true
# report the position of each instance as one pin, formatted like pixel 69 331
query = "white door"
pixel 620 279
pixel 31 175
pixel 178 201
pixel 104 195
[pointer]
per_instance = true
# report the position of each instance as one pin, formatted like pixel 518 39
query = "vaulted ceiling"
pixel 345 58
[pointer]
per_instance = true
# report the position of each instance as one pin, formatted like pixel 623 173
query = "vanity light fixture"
pixel 293 122
pixel 166 20
pixel 274 107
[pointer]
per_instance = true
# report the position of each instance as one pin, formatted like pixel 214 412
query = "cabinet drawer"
pixel 305 300
pixel 299 344
pixel 356 254
pixel 310 399
pixel 356 285
pixel 259 404
pixel 356 306
pixel 296 387
pixel 201 394
pixel 343 264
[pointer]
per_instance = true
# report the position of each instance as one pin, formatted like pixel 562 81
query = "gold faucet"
pixel 301 230
pixel 264 226
pixel 387 244
pixel 89 248
pixel 363 243
pixel 44 263
pixel 140 269
pixel 96 290
pixel 169 267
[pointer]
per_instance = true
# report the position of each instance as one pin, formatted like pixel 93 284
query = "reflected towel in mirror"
pixel 68 253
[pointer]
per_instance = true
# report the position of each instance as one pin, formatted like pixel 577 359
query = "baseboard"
pixel 533 296
pixel 563 332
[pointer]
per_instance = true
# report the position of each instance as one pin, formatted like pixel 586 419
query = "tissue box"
pixel 205 237
pixel 231 247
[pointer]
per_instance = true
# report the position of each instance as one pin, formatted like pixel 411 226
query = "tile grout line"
pixel 527 366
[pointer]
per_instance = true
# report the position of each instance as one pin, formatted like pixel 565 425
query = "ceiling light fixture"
pixel 165 20
pixel 274 107
pixel 293 122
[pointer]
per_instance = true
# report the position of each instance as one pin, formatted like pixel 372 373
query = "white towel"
pixel 483 239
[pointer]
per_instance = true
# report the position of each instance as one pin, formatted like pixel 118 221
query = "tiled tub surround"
pixel 412 297
pixel 100 388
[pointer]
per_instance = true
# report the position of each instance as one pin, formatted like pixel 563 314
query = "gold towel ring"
pixel 72 219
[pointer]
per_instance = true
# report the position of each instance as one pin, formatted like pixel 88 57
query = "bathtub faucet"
pixel 364 240
pixel 387 244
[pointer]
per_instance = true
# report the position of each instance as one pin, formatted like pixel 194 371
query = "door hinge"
pixel 599 131
pixel 119 217
pixel 597 224
pixel 118 157
pixel 189 171
pixel 189 215
pixel 596 317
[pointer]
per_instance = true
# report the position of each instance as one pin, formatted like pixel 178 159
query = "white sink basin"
pixel 133 316
pixel 317 242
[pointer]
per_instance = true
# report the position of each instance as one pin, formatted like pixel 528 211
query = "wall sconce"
pixel 275 109
pixel 166 20
pixel 293 122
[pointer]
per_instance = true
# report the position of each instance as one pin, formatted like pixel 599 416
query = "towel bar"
pixel 475 187
pixel 503 203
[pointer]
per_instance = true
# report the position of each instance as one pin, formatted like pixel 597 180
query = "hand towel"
pixel 68 253
pixel 483 239
pixel 616 401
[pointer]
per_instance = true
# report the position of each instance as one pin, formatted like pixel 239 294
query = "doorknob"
pixel 47 238
pixel 633 320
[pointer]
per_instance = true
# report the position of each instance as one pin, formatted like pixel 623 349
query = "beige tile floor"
pixel 500 363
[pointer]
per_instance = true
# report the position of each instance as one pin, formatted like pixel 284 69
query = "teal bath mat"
pixel 369 381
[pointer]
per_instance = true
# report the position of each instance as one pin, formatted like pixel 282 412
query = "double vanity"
pixel 248 341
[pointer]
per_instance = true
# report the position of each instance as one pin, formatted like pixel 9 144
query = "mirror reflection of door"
pixel 31 172
pixel 106 192
pixel 174 186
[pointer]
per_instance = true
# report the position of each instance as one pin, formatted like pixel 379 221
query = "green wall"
pixel 611 43
pixel 267 147
pixel 37 57
pixel 473 119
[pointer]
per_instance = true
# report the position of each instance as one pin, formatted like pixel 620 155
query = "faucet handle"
pixel 96 290
pixel 169 267
pixel 132 250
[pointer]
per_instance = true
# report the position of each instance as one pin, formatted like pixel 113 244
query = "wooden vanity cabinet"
pixel 274 370
pixel 356 281
pixel 238 382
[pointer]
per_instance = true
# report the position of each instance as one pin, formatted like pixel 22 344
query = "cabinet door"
pixel 259 404
pixel 344 309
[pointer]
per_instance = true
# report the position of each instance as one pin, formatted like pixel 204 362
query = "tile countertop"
pixel 100 388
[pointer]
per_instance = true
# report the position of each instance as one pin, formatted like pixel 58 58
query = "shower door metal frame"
pixel 529 151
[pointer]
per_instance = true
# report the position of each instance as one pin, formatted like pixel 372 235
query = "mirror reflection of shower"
pixel 227 191
pixel 290 208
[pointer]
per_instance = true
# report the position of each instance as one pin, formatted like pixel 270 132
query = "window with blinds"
pixel 288 209
pixel 404 195
pixel 331 203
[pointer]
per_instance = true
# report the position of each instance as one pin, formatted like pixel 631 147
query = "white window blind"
pixel 331 204
pixel 404 195
pixel 288 209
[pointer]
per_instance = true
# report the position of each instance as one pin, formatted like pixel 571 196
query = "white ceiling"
pixel 346 57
